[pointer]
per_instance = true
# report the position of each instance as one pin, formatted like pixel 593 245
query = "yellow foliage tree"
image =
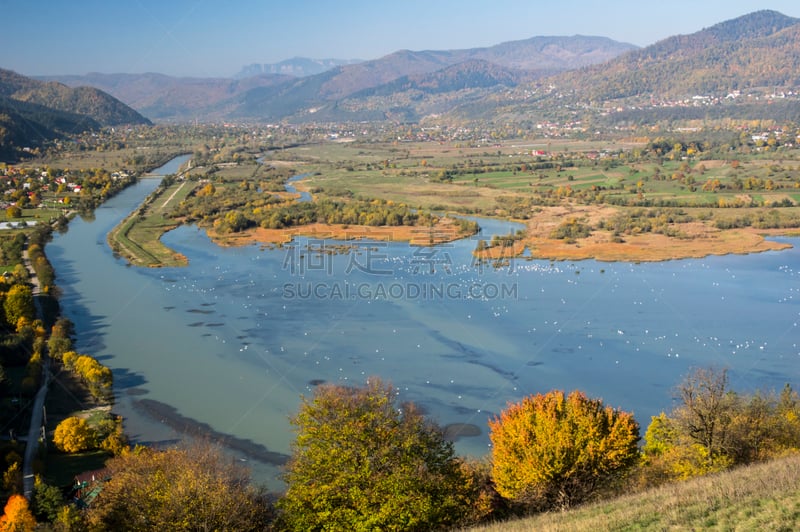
pixel 19 304
pixel 669 455
pixel 207 190
pixel 17 516
pixel 553 450
pixel 97 376
pixel 714 428
pixel 69 359
pixel 12 478
pixel 74 435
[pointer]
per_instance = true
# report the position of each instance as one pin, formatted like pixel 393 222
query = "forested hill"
pixel 24 124
pixel 761 49
pixel 88 101
pixel 32 112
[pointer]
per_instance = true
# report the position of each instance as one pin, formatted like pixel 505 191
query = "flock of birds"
pixel 560 310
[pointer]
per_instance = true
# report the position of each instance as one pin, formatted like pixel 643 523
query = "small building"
pixel 88 485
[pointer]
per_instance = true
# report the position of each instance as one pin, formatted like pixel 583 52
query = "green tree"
pixel 47 501
pixel 363 462
pixel 193 488
pixel 552 450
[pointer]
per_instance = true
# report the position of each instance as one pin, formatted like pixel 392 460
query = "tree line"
pixel 363 460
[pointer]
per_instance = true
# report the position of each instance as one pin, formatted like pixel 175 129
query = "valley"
pixel 558 269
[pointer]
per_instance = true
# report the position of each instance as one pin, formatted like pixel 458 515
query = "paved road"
pixel 34 432
pixel 32 445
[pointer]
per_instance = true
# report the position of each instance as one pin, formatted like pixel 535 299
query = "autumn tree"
pixel 113 438
pixel 13 212
pixel 17 516
pixel 713 428
pixel 705 408
pixel 669 454
pixel 74 435
pixel 12 477
pixel 96 376
pixel 192 488
pixel 362 462
pixel 19 304
pixel 60 340
pixel 70 518
pixel 553 450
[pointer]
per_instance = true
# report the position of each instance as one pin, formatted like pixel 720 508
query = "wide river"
pixel 236 338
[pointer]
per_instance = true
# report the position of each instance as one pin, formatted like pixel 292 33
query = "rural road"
pixel 37 414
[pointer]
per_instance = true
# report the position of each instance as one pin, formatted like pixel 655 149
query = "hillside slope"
pixel 162 97
pixel 758 497
pixel 738 66
pixel 88 101
pixel 33 112
pixel 757 50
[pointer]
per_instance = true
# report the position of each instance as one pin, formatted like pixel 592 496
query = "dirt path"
pixel 171 196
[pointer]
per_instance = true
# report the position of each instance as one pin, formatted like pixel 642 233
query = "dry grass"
pixel 444 231
pixel 652 247
pixel 758 497
pixel 703 239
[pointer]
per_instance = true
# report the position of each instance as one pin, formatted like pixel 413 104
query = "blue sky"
pixel 208 38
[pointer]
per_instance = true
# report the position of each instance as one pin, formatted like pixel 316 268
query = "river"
pixel 236 338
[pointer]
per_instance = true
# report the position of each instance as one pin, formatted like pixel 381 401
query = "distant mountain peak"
pixel 298 67
pixel 757 24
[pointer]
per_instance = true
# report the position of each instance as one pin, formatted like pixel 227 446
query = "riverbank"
pixel 138 236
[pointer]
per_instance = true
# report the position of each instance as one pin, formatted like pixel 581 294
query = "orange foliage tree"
pixel 17 516
pixel 554 450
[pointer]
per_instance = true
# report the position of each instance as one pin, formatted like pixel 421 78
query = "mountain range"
pixel 273 95
pixel 757 50
pixel 750 63
pixel 756 56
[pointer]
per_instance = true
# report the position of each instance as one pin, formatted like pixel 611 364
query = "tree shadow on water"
pixel 125 379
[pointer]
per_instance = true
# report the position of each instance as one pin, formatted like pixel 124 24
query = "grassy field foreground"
pixel 758 497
